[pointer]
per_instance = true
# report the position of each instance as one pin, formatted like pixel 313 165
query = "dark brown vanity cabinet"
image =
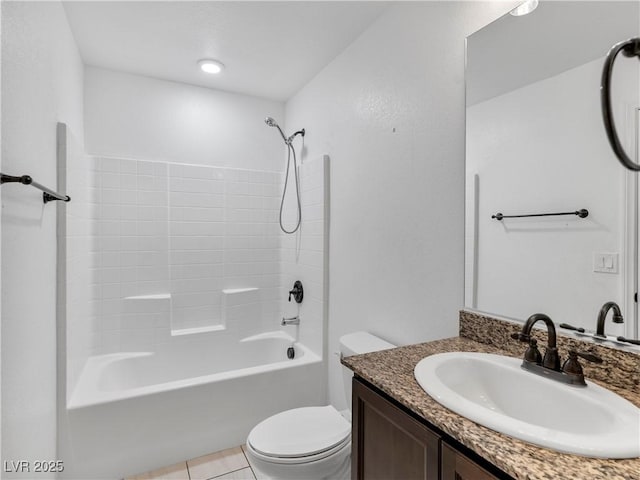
pixel 387 443
pixel 455 465
pixel 390 444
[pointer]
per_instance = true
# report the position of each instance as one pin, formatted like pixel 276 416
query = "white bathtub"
pixel 132 412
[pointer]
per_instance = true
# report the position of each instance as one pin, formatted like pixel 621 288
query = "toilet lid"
pixel 300 432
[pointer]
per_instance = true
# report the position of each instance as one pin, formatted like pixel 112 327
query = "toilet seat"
pixel 344 447
pixel 301 435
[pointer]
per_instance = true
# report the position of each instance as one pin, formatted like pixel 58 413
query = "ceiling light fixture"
pixel 524 8
pixel 210 66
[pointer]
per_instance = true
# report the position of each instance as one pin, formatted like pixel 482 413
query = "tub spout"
pixel 290 321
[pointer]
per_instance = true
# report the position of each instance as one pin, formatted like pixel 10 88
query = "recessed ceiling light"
pixel 524 8
pixel 210 66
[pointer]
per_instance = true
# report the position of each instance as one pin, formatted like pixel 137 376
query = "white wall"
pixel 41 85
pixel 390 113
pixel 542 148
pixel 130 116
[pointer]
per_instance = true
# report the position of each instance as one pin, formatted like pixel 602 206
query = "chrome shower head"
pixel 272 123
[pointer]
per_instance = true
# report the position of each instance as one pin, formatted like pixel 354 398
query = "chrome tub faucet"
pixel 290 321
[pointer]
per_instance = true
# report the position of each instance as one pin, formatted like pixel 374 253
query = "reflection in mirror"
pixel 536 144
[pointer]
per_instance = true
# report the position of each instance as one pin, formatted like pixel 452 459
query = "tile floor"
pixel 228 464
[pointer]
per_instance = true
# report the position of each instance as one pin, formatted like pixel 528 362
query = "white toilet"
pixel 310 442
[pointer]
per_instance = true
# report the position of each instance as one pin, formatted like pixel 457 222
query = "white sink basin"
pixel 494 391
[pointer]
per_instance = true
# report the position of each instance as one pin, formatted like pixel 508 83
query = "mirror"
pixel 536 145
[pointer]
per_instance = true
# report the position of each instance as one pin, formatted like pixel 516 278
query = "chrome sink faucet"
pixel 602 316
pixel 549 366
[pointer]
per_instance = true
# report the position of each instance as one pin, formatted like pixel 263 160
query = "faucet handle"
pixel 588 356
pixel 523 337
pixel 572 365
pixel 533 354
pixel 297 292
pixel 571 327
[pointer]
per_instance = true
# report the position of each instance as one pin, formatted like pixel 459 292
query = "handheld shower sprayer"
pixel 290 149
pixel 272 123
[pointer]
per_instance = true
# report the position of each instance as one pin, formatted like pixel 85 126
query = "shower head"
pixel 272 123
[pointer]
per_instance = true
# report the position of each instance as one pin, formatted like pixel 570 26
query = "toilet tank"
pixel 357 343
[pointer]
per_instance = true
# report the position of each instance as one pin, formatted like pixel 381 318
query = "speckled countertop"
pixel 392 372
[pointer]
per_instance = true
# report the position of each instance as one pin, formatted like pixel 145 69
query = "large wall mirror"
pixel 536 144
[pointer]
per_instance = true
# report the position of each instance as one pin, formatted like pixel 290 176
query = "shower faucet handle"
pixel 297 292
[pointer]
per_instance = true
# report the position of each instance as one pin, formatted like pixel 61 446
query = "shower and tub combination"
pixel 189 353
pixel 133 412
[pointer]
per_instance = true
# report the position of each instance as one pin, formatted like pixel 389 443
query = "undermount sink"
pixel 494 391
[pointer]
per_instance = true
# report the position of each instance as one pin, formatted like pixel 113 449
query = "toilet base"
pixel 336 467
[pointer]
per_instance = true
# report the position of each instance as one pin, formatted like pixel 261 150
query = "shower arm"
pixel 290 139
pixel 629 48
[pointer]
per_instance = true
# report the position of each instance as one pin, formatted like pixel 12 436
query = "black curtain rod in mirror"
pixel 580 213
pixel 48 195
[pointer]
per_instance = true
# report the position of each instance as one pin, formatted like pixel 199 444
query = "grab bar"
pixel 583 213
pixel 629 48
pixel 48 195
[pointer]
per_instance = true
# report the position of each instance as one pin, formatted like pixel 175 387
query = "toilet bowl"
pixel 310 442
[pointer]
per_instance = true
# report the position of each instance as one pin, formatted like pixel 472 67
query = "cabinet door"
pixel 388 443
pixel 457 466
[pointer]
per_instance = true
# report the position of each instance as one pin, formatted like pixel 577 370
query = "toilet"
pixel 310 442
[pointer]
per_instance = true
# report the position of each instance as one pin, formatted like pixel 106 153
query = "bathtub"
pixel 136 411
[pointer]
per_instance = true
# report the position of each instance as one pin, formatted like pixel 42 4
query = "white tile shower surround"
pixel 181 234
pixel 230 464
pixel 186 232
pixel 303 256
pixel 74 178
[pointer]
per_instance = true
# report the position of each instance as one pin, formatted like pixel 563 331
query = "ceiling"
pixel 270 49
pixel 559 35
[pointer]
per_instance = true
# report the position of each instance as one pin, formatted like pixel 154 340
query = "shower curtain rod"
pixel 48 195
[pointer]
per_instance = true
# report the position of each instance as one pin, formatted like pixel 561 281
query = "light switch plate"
pixel 605 262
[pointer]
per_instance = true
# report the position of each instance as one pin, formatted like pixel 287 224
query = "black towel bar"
pixel 583 213
pixel 48 195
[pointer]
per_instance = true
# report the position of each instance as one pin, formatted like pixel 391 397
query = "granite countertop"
pixel 392 372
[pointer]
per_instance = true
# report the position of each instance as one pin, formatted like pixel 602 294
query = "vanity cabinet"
pixel 456 465
pixel 388 443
